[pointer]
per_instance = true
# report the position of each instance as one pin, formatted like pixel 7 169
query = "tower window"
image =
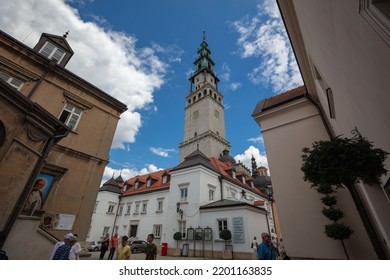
pixel 52 52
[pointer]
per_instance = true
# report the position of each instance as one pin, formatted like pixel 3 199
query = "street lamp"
pixel 270 193
pixel 178 210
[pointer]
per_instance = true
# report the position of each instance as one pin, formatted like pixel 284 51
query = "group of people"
pixel 123 251
pixel 266 250
pixel 68 249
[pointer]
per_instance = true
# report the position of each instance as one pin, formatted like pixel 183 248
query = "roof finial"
pixel 113 174
pixel 204 35
pixel 66 34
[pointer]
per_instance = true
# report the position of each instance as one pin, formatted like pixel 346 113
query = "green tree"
pixel 177 236
pixel 344 162
pixel 226 235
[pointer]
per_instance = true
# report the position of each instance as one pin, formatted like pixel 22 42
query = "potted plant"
pixel 342 162
pixel 227 253
pixel 177 236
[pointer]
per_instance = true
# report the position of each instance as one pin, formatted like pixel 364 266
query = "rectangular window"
pixel 120 210
pixel 329 96
pixel 144 206
pixel 128 208
pixel 137 204
pixel 160 204
pixel 111 208
pixel 183 194
pixel 157 230
pixel 211 194
pixel 377 15
pixel 70 116
pixel 222 224
pixel 18 84
pixel 106 230
pixel 52 52
pixel 165 179
pixel 182 229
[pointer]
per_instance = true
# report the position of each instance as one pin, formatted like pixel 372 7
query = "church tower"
pixel 204 124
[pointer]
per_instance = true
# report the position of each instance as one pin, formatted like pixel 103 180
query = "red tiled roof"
pixel 156 183
pixel 283 97
pixel 223 168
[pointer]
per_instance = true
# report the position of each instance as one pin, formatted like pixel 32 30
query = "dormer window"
pixel 234 174
pixel 149 182
pixel 136 185
pixel 243 179
pixel 52 52
pixel 165 179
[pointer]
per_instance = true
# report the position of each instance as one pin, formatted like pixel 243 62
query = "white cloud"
pixel 256 139
pixel 246 158
pixel 161 151
pixel 264 36
pixel 109 59
pixel 127 173
pixel 234 86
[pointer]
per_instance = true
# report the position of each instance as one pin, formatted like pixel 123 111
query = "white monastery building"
pixel 204 194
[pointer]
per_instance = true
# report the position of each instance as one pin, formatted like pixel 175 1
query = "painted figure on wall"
pixel 34 201
pixel 39 192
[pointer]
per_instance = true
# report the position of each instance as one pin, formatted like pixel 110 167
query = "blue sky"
pixel 142 51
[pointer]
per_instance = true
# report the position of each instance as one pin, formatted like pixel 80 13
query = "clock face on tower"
pixel 196 114
pixel 216 114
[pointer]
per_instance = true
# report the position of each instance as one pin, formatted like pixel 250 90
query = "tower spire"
pixel 200 128
pixel 254 167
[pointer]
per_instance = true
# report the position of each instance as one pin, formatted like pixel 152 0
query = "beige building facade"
pixel 342 48
pixel 72 168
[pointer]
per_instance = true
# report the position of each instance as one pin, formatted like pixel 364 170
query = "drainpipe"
pixel 220 183
pixel 116 214
pixel 28 187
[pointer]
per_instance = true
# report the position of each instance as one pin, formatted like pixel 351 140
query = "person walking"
pixel 62 253
pixel 151 248
pixel 123 252
pixel 60 243
pixel 113 246
pixel 74 253
pixel 254 244
pixel 265 250
pixel 104 248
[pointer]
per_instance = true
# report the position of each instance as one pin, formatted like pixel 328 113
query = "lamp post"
pixel 271 223
pixel 178 210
